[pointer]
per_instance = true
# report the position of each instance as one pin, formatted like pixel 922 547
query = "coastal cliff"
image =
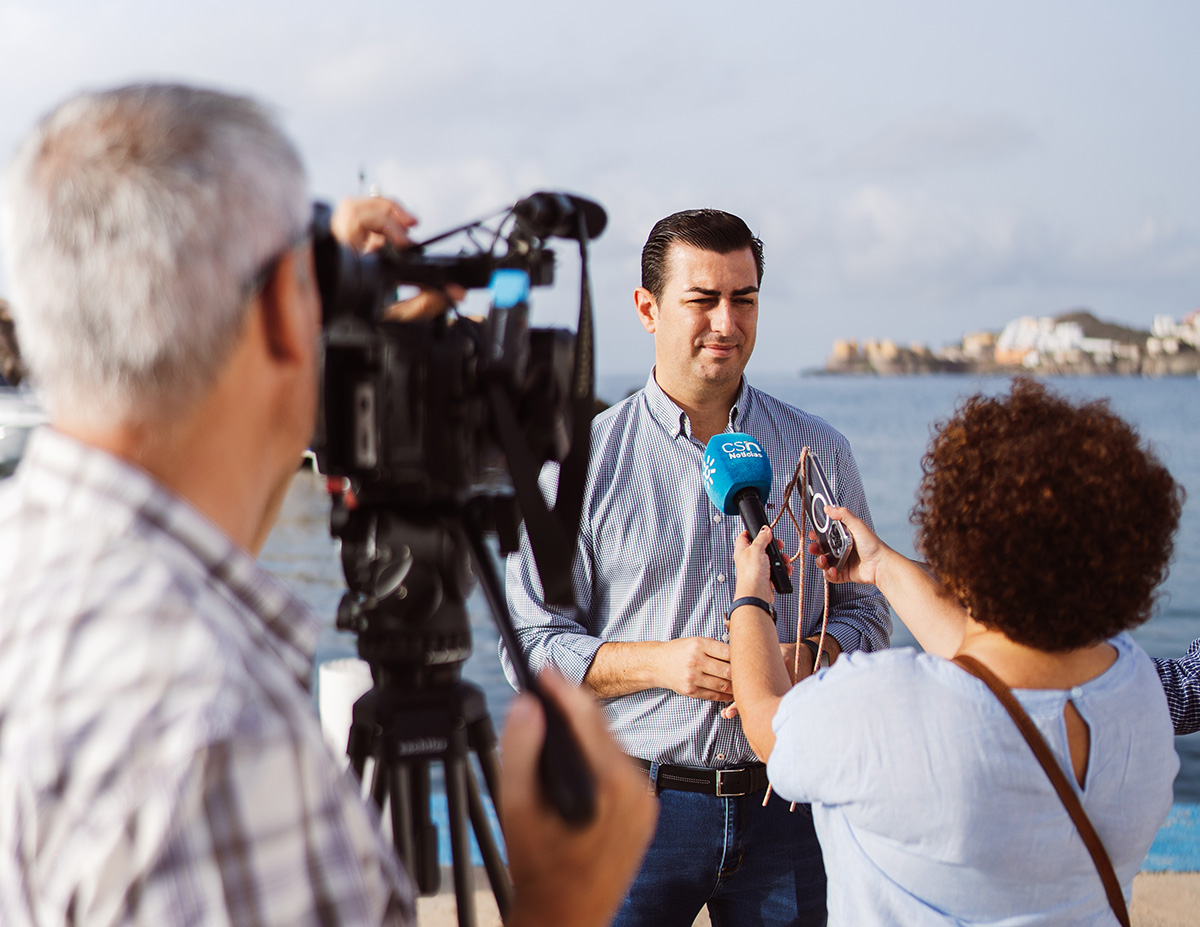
pixel 1075 343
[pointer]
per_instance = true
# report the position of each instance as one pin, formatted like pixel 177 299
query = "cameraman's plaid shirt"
pixel 160 762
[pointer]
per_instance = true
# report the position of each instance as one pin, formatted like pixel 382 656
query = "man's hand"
pixel 366 224
pixel 697 667
pixel 561 874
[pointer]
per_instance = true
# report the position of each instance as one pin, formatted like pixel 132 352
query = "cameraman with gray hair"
pixel 160 761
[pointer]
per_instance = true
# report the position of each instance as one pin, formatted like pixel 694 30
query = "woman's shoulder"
pixel 883 682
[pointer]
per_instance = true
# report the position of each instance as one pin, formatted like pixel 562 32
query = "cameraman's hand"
pixel 562 874
pixel 366 224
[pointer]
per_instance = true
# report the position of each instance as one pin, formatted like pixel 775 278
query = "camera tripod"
pixel 403 730
pixel 408 581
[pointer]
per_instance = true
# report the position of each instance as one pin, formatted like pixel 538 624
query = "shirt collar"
pixel 59 471
pixel 675 421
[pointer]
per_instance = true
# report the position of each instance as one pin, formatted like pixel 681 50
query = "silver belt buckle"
pixel 721 793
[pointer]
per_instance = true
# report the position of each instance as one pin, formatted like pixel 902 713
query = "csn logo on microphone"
pixel 737 449
pixel 740 447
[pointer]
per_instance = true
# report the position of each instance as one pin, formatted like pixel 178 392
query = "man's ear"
pixel 286 313
pixel 647 308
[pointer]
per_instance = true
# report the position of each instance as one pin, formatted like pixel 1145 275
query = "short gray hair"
pixel 134 222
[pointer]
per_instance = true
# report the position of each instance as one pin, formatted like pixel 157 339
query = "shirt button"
pixel 720 756
pixel 717 518
pixel 720 577
pixel 1077 692
pixel 725 638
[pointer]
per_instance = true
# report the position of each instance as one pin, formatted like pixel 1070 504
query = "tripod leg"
pixel 403 828
pixel 428 873
pixel 489 762
pixel 460 849
pixel 492 861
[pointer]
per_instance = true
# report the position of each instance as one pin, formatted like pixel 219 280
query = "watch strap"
pixel 756 602
pixel 820 658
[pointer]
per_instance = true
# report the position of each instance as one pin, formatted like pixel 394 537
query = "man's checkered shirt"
pixel 160 762
pixel 1181 682
pixel 655 562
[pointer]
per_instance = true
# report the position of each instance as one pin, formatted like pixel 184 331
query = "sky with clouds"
pixel 916 170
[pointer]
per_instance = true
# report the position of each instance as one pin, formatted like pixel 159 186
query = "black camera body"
pixel 404 406
pixel 440 429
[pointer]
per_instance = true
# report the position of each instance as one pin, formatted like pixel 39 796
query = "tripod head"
pixel 408 580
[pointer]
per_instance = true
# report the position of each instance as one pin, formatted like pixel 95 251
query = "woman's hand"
pixel 865 559
pixel 920 600
pixel 752 566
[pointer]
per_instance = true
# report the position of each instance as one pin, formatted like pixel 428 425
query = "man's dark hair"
pixel 707 229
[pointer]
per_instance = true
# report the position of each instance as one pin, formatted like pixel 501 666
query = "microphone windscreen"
pixel 734 461
pixel 556 215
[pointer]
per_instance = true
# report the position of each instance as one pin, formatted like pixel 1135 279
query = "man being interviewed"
pixel 653 575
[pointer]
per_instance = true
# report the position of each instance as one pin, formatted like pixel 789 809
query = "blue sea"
pixel 888 422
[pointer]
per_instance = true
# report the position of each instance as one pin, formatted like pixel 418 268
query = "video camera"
pixel 439 429
pixel 429 415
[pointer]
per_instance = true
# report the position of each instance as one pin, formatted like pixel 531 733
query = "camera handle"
pixel 566 778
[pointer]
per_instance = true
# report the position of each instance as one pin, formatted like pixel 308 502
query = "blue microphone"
pixel 737 477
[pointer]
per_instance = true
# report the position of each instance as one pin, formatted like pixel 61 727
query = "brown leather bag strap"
pixel 1058 778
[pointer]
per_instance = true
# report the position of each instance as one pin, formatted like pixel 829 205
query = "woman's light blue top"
pixel 932 809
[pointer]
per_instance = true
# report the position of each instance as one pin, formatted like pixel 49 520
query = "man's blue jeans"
pixel 752 866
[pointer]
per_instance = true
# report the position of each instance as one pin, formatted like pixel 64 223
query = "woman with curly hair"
pixel 1047 527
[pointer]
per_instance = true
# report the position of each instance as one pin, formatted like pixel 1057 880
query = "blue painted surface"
pixel 1177 846
pixel 441 818
pixel 1175 849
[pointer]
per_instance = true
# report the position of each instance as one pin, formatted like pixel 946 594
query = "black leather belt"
pixel 724 783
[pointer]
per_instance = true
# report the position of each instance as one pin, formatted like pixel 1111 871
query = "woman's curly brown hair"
pixel 1049 521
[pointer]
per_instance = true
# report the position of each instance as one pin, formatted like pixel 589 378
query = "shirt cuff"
pixel 849 637
pixel 572 655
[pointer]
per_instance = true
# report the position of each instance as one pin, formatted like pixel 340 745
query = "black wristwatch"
pixel 821 658
pixel 756 602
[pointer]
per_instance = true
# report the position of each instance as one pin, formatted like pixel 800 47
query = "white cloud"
pixel 886 239
pixel 938 141
pixel 917 244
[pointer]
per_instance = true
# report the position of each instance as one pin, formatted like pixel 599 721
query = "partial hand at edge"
pixel 366 224
pixel 561 874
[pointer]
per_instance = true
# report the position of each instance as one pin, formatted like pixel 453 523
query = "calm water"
pixel 888 422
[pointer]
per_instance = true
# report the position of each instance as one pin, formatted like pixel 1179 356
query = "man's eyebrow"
pixel 743 291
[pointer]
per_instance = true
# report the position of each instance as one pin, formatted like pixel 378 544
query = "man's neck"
pixel 193 468
pixel 222 455
pixel 707 410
